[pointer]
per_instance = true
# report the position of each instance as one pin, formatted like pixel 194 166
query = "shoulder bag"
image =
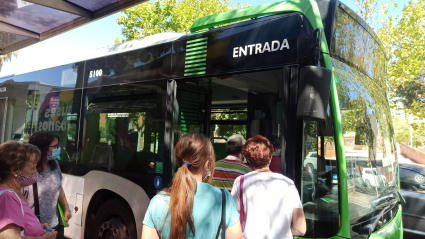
pixel 241 207
pixel 222 225
pixel 37 206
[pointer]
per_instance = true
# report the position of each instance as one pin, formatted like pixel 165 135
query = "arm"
pixel 234 232
pixel 149 233
pixel 298 225
pixel 13 231
pixel 10 231
pixel 47 235
pixel 64 203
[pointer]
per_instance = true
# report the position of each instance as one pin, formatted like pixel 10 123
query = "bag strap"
pixel 223 215
pixel 36 202
pixel 241 207
pixel 222 225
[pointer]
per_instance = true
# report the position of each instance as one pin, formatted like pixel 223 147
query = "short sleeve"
pixel 232 215
pixel 295 198
pixel 148 220
pixel 235 193
pixel 11 210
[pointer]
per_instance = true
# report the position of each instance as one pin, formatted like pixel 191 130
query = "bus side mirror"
pixel 314 88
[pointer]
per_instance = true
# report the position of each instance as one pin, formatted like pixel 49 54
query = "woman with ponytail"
pixel 190 208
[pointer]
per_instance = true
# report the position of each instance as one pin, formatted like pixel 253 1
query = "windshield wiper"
pixel 370 227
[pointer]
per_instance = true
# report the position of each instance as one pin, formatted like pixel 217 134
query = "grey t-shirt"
pixel 49 184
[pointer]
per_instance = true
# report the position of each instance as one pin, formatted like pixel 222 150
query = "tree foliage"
pixel 402 131
pixel 404 38
pixel 167 16
pixel 227 130
pixel 7 57
pixel 369 11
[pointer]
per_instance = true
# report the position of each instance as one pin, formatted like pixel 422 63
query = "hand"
pixel 67 215
pixel 45 225
pixel 49 235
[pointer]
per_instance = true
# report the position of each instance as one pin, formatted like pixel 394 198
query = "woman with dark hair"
pixel 18 169
pixel 49 183
pixel 269 204
pixel 190 208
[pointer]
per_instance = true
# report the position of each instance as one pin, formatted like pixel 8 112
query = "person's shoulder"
pixel 8 198
pixel 222 161
pixel 283 178
pixel 161 198
pixel 209 187
pixel 58 167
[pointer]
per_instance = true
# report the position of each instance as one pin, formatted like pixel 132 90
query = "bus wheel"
pixel 114 220
pixel 368 184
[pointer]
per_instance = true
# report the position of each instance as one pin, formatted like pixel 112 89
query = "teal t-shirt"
pixel 206 212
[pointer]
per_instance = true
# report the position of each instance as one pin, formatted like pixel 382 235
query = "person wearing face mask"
pixel 269 203
pixel 49 184
pixel 276 161
pixel 190 208
pixel 17 170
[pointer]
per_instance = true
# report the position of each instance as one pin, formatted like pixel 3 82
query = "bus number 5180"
pixel 95 73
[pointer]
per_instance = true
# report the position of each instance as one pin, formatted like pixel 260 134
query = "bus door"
pixel 187 111
pixel 242 103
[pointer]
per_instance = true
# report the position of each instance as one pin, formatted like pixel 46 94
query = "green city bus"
pixel 312 73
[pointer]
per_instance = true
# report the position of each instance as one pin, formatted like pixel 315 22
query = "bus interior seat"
pixel 103 156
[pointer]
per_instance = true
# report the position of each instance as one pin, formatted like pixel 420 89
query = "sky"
pixel 88 38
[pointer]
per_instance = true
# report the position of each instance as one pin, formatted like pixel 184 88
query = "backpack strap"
pixel 222 225
pixel 241 207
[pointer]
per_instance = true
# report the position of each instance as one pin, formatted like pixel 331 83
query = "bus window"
pixel 368 142
pixel 191 113
pixel 320 179
pixel 58 112
pixel 122 130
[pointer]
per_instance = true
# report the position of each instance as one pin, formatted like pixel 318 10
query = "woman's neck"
pixel 265 169
pixel 11 184
pixel 197 177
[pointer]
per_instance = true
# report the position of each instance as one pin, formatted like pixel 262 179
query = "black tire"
pixel 114 220
pixel 368 184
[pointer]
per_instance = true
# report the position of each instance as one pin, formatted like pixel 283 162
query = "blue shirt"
pixel 206 212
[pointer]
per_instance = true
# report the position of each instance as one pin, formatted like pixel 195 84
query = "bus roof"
pixel 79 56
pixel 307 7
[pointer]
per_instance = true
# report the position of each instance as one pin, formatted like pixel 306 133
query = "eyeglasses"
pixel 54 146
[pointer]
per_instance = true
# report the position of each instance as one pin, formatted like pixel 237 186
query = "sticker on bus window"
pixel 159 167
pixel 157 182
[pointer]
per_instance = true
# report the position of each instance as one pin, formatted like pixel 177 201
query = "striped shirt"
pixel 227 170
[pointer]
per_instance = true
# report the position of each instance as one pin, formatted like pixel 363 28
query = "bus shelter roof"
pixel 23 23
